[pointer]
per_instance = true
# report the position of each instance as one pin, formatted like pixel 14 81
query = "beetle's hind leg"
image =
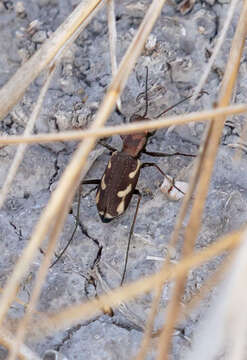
pixel 74 231
pixel 136 192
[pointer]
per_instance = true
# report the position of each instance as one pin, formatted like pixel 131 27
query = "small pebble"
pixel 33 27
pixel 39 37
pixel 201 29
pixel 24 55
pixel 54 355
pixel 150 43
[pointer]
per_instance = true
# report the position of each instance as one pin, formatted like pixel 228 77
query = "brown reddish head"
pixel 133 144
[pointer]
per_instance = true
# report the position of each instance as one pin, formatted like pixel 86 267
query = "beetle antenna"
pixel 180 102
pixel 173 106
pixel 146 93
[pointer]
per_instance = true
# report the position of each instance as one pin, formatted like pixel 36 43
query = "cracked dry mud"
pixel 175 53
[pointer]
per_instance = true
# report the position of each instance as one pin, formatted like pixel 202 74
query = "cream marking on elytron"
pixel 103 184
pixel 125 192
pixel 97 197
pixel 133 173
pixel 120 208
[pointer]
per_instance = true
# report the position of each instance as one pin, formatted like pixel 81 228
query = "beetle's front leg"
pixel 161 154
pixel 91 182
pixel 167 177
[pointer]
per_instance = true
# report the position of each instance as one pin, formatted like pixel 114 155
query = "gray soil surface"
pixel 176 52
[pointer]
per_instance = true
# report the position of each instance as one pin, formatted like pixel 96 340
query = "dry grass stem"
pixel 235 317
pixel 127 128
pixel 7 340
pixel 128 292
pixel 58 201
pixel 113 39
pixel 226 331
pixel 204 180
pixel 216 50
pixel 150 323
pixel 40 278
pixel 22 147
pixel 174 239
pixel 10 94
pixel 192 184
pixel 214 279
pixel 17 300
pixel 112 35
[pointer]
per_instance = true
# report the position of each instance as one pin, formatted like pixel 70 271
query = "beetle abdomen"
pixel 117 185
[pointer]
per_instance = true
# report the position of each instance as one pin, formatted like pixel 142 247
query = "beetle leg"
pixel 107 146
pixel 160 154
pixel 91 182
pixel 76 226
pixel 136 192
pixel 162 172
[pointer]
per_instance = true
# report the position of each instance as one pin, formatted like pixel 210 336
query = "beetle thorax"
pixel 134 144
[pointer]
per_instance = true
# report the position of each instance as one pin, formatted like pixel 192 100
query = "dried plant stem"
pixel 62 196
pixel 150 322
pixel 216 50
pixel 40 278
pixel 125 129
pixel 213 280
pixel 158 291
pixel 10 94
pixel 113 39
pixel 112 34
pixel 7 340
pixel 17 300
pixel 22 147
pixel 205 175
pixel 76 313
pixel 225 331
pixel 235 318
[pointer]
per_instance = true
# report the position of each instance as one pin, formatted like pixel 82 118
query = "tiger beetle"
pixel 118 183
